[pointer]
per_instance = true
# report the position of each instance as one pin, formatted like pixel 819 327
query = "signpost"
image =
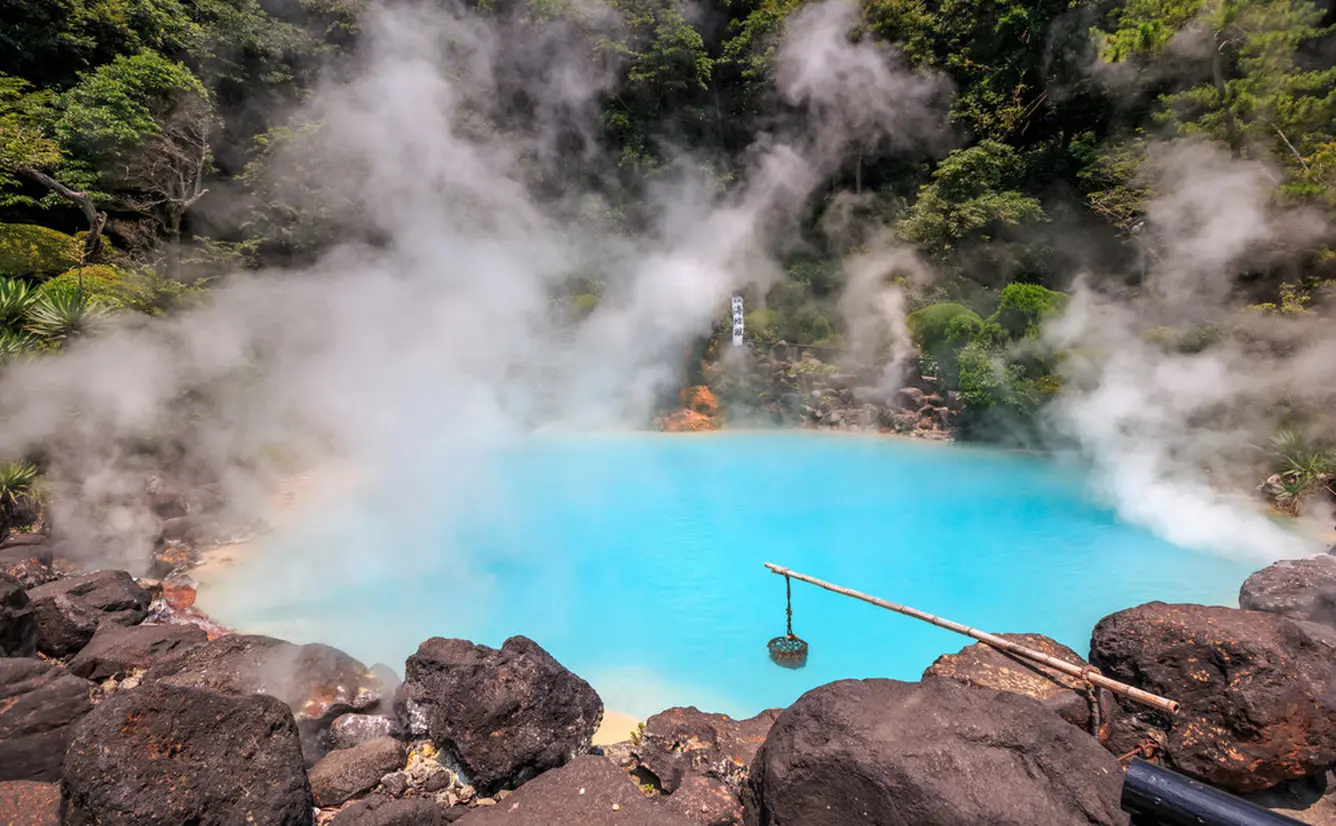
pixel 737 321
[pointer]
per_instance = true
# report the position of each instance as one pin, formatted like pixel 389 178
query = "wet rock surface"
pixel 1257 692
pixel 70 610
pixel 27 803
pixel 185 755
pixel 503 715
pixel 587 791
pixel 342 775
pixel 684 742
pixel 983 666
pixel 379 810
pixel 39 703
pixel 1300 589
pixel 115 651
pixel 936 753
pixel 18 623
pixel 317 682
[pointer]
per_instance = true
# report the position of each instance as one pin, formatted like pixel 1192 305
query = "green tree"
pixel 970 196
pixel 144 121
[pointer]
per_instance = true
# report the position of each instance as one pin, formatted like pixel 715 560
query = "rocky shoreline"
pixel 120 703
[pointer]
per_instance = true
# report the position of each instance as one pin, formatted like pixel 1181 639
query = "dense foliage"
pixel 119 118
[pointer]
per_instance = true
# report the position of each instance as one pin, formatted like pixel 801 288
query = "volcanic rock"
pixel 1301 589
pixel 706 801
pixel 587 791
pixel 682 742
pixel 28 563
pixel 983 666
pixel 70 610
pixel 936 753
pixel 26 803
pixel 504 715
pixel 346 773
pixel 348 730
pixel 18 624
pixel 1257 692
pixel 114 651
pixel 39 702
pixel 379 810
pixel 318 682
pixel 185 755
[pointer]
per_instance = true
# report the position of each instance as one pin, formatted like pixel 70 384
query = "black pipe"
pixel 1164 798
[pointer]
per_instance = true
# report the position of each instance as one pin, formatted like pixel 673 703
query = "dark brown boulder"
pixel 70 610
pixel 318 682
pixel 587 791
pixel 503 716
pixel 342 775
pixel 1257 692
pixel 184 755
pixel 379 810
pixel 39 702
pixel 682 742
pixel 983 666
pixel 115 651
pixel 26 803
pixel 936 753
pixel 1301 589
pixel 706 801
pixel 28 564
pixel 18 623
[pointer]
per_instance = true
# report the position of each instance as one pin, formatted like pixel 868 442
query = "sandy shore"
pixel 616 728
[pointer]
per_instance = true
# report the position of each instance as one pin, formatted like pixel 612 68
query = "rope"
pixel 788 606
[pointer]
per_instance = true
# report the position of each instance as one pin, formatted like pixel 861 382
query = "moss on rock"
pixel 27 249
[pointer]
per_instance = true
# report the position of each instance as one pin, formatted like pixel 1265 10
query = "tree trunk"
pixel 97 220
pixel 173 239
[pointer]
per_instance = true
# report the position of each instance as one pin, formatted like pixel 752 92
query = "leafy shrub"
pixel 1023 307
pixel 100 282
pixel 1002 393
pixel 18 492
pixel 26 249
pixel 1302 467
pixel 939 325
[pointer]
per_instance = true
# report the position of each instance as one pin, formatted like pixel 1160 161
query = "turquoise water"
pixel 637 561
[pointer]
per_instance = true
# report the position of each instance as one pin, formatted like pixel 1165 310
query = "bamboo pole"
pixel 1090 674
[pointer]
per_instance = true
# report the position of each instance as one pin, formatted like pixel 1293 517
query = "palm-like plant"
pixel 1301 467
pixel 18 490
pixel 64 314
pixel 14 344
pixel 16 299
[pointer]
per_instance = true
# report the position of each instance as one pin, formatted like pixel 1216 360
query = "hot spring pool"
pixel 636 560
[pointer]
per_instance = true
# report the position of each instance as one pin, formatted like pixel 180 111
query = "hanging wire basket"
pixel 788 651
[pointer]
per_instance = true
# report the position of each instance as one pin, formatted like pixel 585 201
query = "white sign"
pixel 737 321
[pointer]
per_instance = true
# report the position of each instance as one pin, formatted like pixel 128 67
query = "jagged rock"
pixel 379 810
pixel 27 803
pixel 319 683
pixel 504 715
pixel 1257 692
pixel 349 730
pixel 185 755
pixel 39 702
pixel 706 801
pixel 346 773
pixel 936 753
pixel 682 742
pixel 983 666
pixel 1301 589
pixel 70 610
pixel 587 791
pixel 29 561
pixel 115 651
pixel 18 624
pixel 909 399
